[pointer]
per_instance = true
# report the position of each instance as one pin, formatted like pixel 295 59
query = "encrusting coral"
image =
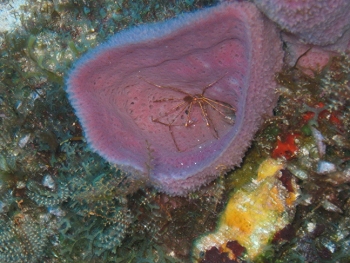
pixel 253 214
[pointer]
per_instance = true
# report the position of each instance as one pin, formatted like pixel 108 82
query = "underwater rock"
pixel 178 102
pixel 254 213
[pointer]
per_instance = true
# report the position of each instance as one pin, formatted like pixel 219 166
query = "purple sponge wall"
pixel 178 102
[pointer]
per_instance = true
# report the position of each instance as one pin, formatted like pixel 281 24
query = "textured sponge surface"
pixel 179 101
pixel 318 22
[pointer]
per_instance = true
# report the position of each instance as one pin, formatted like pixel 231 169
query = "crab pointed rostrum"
pixel 188 74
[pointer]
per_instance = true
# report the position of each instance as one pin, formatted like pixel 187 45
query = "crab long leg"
pixel 220 103
pixel 167 99
pixel 174 140
pixel 176 108
pixel 188 119
pixel 208 120
pixel 211 84
pixel 170 111
pixel 186 104
pixel 166 87
pixel 225 116
pixel 170 125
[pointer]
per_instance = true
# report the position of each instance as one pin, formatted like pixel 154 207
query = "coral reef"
pixel 310 134
pixel 61 202
pixel 311 108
